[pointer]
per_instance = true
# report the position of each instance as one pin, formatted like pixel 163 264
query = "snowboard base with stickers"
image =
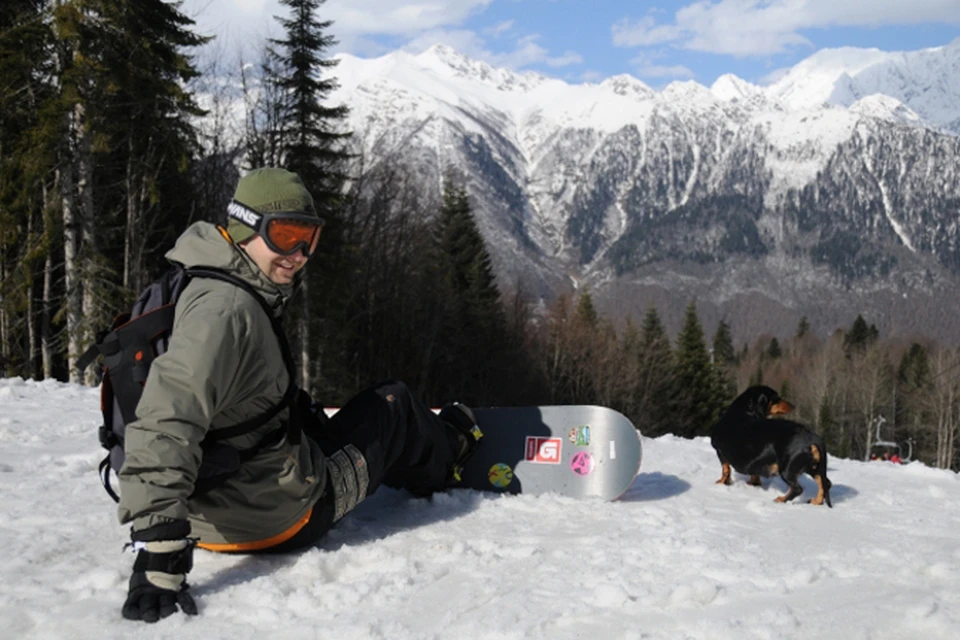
pixel 578 451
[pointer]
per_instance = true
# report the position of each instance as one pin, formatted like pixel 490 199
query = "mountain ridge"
pixel 595 185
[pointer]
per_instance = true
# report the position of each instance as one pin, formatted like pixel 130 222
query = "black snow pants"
pixel 404 444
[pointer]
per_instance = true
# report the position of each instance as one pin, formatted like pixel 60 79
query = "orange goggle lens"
pixel 287 236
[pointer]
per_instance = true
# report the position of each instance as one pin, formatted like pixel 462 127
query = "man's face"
pixel 279 269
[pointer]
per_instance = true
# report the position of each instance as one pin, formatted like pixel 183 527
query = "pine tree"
pixel 586 311
pixel 584 342
pixel 311 132
pixel 470 332
pixel 656 390
pixel 310 140
pixel 130 141
pixel 774 351
pixel 914 377
pixel 803 327
pixel 724 359
pixel 701 391
pixel 102 140
pixel 25 165
pixel 860 335
pixel 723 352
pixel 143 113
pixel 628 364
pixel 58 165
pixel 914 369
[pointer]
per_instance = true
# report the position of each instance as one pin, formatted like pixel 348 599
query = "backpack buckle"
pixel 108 439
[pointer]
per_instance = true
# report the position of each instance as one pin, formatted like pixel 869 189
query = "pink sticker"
pixel 582 463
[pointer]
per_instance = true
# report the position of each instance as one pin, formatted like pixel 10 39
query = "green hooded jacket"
pixel 223 366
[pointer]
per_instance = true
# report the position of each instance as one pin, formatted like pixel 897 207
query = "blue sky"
pixel 588 40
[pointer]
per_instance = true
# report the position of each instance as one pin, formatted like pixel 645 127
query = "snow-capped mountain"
pixel 926 81
pixel 732 89
pixel 834 191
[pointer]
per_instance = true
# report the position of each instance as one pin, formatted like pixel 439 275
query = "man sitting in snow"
pixel 225 365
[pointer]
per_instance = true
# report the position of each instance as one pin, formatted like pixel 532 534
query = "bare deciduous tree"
pixel 870 377
pixel 944 404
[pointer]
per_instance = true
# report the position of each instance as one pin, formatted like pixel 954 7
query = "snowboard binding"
pixel 461 419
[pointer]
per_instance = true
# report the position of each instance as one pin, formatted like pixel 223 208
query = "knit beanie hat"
pixel 268 190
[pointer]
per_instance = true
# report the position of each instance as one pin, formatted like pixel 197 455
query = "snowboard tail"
pixel 578 451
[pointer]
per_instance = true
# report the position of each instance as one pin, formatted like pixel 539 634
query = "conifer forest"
pixel 114 139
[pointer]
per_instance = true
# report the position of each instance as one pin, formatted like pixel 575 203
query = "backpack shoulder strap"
pixel 293 426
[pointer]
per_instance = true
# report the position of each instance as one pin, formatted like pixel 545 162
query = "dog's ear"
pixel 758 406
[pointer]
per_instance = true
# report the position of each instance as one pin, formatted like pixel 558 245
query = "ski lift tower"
pixel 889 447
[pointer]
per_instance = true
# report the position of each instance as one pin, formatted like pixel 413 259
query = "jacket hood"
pixel 202 245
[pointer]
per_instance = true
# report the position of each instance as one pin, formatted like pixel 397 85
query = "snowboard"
pixel 578 451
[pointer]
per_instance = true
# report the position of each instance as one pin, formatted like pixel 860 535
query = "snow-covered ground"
pixel 677 557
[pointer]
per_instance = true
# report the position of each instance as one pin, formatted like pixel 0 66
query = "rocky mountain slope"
pixel 832 192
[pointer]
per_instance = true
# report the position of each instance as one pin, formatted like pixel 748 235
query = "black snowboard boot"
pixel 461 419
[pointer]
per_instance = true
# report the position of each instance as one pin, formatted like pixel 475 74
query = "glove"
pixel 158 584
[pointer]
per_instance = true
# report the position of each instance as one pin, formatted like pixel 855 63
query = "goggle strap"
pixel 253 218
pixel 239 211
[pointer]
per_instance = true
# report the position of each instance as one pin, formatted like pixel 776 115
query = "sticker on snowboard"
pixel 500 475
pixel 579 451
pixel 582 463
pixel 544 450
pixel 580 436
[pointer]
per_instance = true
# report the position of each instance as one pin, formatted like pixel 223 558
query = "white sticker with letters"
pixel 543 450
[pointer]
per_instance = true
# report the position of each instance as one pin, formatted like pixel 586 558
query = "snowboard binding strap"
pixel 461 419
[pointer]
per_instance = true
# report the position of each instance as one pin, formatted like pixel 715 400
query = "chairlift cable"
pixel 945 371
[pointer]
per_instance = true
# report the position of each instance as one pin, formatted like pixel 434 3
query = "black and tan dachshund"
pixel 752 443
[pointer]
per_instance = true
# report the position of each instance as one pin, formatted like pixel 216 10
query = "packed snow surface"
pixel 677 557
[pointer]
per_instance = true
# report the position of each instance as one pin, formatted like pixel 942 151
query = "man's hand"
pixel 158 584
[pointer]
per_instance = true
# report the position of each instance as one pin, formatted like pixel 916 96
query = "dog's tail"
pixel 819 451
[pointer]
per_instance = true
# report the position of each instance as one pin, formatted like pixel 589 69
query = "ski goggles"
pixel 284 232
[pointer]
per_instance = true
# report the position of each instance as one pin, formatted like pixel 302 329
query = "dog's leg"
pixel 794 490
pixel 818 499
pixel 819 474
pixel 754 480
pixel 725 478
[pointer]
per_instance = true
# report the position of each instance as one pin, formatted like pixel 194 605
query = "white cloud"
pixel 763 27
pixel 592 76
pixel 773 76
pixel 499 29
pixel 390 17
pixel 352 18
pixel 528 52
pixel 466 42
pixel 525 53
pixel 643 32
pixel 646 67
pixel 360 27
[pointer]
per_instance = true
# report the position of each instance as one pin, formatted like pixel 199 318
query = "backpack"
pixel 130 346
